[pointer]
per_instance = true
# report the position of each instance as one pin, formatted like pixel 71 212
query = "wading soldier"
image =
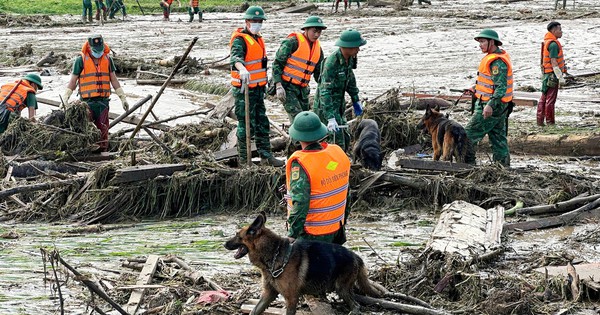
pixel 100 10
pixel 16 96
pixel 494 93
pixel 193 9
pixel 555 71
pixel 87 11
pixel 298 58
pixel 337 78
pixel 94 72
pixel 249 66
pixel 317 180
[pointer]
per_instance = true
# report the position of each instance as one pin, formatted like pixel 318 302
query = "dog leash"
pixel 286 258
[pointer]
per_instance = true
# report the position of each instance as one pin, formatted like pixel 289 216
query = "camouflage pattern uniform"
pixel 494 126
pixel 296 99
pixel 337 78
pixel 300 191
pixel 259 122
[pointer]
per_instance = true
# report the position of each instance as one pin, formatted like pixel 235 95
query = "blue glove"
pixel 358 109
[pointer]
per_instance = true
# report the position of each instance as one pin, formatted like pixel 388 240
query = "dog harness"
pixel 276 273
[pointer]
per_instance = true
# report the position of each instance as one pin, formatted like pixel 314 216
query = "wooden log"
pixel 519 101
pixel 158 122
pixel 145 278
pixel 413 182
pixel 566 145
pixel 433 165
pixel 49 58
pixel 300 8
pixel 224 106
pixel 405 308
pixel 557 207
pixel 33 168
pixel 157 140
pixel 129 120
pixel 40 186
pixel 563 219
pixel 144 172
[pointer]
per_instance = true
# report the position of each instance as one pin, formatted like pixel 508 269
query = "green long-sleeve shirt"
pixel 287 48
pixel 337 78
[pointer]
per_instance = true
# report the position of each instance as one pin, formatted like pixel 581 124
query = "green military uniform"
pixel 87 10
pixel 96 104
pixel 336 79
pixel 494 126
pixel 554 51
pixel 259 122
pixel 114 6
pixel 296 97
pixel 195 10
pixel 300 194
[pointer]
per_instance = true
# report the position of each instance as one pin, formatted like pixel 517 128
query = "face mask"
pixel 255 28
pixel 97 55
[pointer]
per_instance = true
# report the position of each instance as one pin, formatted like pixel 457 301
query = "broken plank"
pixel 564 219
pixel 130 120
pixel 589 274
pixel 519 101
pixel 230 153
pixel 160 82
pixel 145 278
pixel 433 165
pixel 143 172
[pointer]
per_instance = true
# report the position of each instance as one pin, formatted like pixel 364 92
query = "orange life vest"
pixel 548 39
pixel 195 3
pixel 253 61
pixel 328 171
pixel 484 87
pixel 301 64
pixel 94 81
pixel 16 101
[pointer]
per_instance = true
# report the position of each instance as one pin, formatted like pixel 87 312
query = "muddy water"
pixel 198 241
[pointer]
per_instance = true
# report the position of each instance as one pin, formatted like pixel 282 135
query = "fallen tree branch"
pixel 557 207
pixel 41 186
pixel 410 309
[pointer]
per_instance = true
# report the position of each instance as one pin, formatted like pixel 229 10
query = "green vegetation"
pixel 404 244
pixel 75 6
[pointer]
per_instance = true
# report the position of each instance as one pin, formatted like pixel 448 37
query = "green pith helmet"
pixel 489 34
pixel 307 127
pixel 255 13
pixel 313 21
pixel 34 78
pixel 96 43
pixel 350 39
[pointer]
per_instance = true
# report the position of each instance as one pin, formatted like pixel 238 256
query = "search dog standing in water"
pixel 301 267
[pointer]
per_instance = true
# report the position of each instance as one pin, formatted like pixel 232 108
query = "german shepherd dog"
pixel 367 148
pixel 448 138
pixel 301 267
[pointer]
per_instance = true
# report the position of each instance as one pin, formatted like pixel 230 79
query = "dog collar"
pixel 286 258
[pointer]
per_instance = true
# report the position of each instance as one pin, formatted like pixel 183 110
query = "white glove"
pixel 66 96
pixel 244 75
pixel 332 125
pixel 121 95
pixel 280 92
pixel 559 75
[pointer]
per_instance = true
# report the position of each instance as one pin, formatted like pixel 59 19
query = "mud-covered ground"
pixel 424 49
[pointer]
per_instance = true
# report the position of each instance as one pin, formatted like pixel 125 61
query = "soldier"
pixel 494 94
pixel 87 11
pixel 249 66
pixel 317 180
pixel 555 71
pixel 297 59
pixel 337 78
pixel 15 97
pixel 94 72
pixel 115 6
pixel 193 9
pixel 166 6
pixel 100 10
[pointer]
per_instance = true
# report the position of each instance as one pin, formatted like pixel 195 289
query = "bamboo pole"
pixel 162 89
pixel 247 121
pixel 135 106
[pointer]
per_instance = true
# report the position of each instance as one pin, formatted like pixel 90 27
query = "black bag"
pixel 271 89
pixel 552 81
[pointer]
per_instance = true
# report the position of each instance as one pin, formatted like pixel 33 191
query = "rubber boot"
pixel 104 14
pixel 83 18
pixel 200 16
pixel 191 17
pixel 98 15
pixel 90 17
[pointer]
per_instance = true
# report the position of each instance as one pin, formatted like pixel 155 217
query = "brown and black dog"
pixel 448 138
pixel 301 267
